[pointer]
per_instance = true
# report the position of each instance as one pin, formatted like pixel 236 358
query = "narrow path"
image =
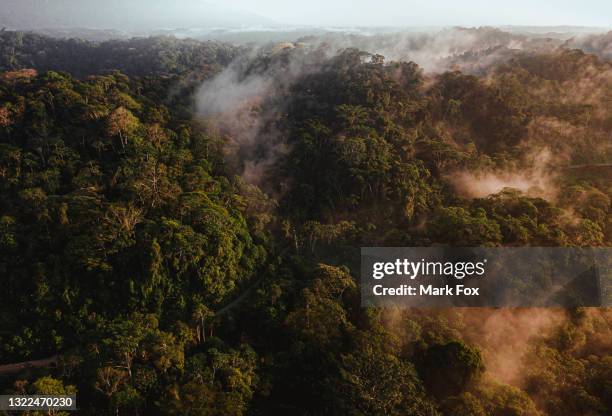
pixel 17 367
pixel 227 308
pixel 590 165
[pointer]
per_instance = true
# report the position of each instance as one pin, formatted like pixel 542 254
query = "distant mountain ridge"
pixel 124 15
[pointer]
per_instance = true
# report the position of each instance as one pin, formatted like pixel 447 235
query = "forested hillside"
pixel 179 259
pixel 135 57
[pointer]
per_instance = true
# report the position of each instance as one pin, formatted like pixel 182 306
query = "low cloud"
pixel 533 178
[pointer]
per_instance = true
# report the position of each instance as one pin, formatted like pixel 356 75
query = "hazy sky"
pixel 431 12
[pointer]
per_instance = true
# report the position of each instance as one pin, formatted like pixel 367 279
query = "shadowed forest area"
pixel 177 219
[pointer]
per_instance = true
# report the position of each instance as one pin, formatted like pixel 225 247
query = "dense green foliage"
pixel 135 57
pixel 166 284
